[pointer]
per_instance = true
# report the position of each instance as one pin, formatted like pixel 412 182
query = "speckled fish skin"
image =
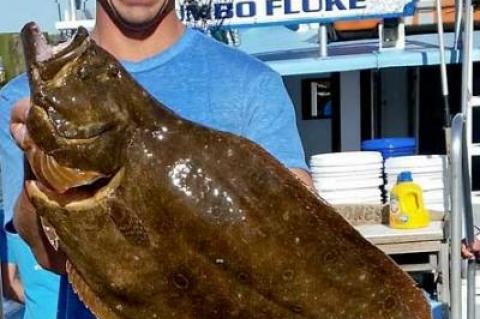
pixel 191 222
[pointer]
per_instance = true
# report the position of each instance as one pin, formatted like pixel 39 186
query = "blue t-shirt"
pixel 41 287
pixel 208 83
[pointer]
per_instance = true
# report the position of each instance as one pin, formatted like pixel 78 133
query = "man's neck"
pixel 109 37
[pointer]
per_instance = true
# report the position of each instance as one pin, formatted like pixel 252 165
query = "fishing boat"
pixel 369 70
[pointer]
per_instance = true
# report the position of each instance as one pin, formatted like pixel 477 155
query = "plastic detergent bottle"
pixel 407 209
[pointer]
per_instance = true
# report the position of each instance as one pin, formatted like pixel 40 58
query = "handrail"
pixel 467 89
pixel 461 208
pixel 467 48
pixel 456 218
pixel 469 227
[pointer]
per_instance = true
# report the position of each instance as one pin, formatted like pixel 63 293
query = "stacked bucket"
pixel 391 147
pixel 367 177
pixel 428 171
pixel 348 177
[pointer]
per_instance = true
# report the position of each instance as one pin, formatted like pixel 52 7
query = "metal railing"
pixel 461 211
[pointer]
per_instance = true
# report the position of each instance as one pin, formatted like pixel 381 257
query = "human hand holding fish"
pixel 472 251
pixel 25 220
pixel 18 128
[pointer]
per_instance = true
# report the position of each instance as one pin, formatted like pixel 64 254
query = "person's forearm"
pixel 17 293
pixel 12 286
pixel 29 227
pixel 304 176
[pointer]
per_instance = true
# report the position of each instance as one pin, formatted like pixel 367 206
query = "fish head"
pixel 79 118
pixel 77 113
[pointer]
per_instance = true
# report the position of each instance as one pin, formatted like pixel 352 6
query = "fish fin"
pixel 87 296
pixel 129 224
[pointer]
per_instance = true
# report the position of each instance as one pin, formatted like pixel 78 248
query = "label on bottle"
pixel 394 206
pixel 396 216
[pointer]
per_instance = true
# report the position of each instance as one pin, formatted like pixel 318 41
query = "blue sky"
pixel 15 13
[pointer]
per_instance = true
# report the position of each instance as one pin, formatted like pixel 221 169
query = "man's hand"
pixel 303 176
pixel 25 219
pixel 471 252
pixel 29 227
pixel 17 123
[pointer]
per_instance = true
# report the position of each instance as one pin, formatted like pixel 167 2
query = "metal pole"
pixel 444 76
pixel 59 10
pixel 456 218
pixel 443 65
pixel 73 10
pixel 466 57
pixel 458 23
pixel 468 107
pixel 467 89
pixel 323 40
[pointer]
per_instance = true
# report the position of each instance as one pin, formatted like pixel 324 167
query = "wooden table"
pixel 430 241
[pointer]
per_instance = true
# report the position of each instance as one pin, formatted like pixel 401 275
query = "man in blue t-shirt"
pixel 199 78
pixel 30 283
pixel 23 277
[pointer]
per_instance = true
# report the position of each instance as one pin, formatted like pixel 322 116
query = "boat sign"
pixel 237 13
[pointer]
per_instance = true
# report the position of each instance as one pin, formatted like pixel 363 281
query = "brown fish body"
pixel 193 222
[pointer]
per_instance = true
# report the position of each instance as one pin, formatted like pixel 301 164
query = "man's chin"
pixel 137 22
pixel 134 3
pixel 139 26
pixel 138 12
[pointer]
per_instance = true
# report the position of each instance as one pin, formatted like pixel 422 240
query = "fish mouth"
pixel 52 130
pixel 38 53
pixel 46 63
pixel 45 166
pixel 76 199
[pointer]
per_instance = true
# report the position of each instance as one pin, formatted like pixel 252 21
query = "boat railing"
pixel 461 218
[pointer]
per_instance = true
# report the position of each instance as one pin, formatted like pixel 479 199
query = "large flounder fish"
pixel 164 218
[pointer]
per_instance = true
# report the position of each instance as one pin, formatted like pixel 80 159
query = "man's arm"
pixel 269 117
pixel 12 286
